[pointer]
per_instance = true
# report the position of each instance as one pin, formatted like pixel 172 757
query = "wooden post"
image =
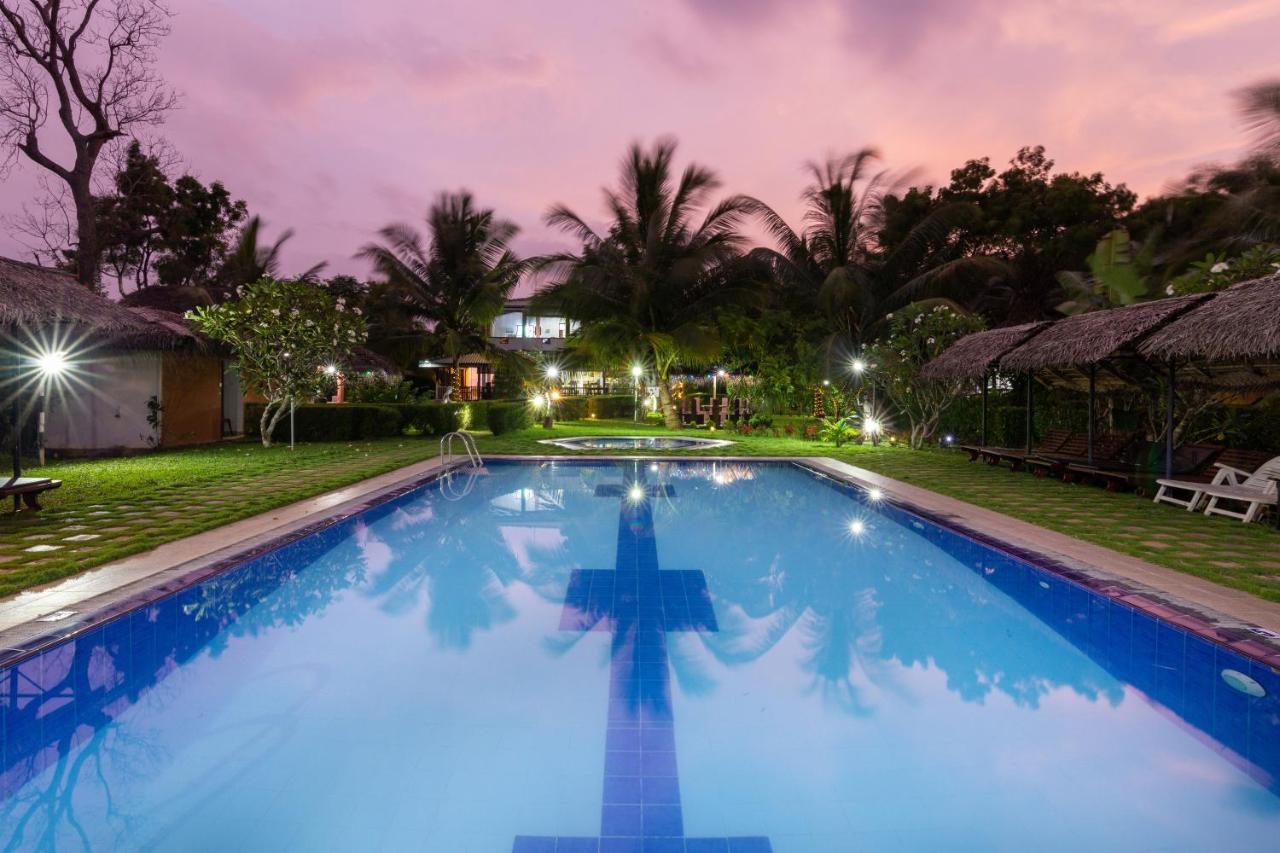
pixel 1093 383
pixel 1168 423
pixel 985 381
pixel 1030 402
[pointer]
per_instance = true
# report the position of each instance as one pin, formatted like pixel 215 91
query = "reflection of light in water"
pixel 874 494
pixel 857 527
pixel 635 494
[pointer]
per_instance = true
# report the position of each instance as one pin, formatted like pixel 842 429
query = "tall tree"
pixel 836 266
pixel 459 281
pixel 1037 222
pixel 651 285
pixel 92 60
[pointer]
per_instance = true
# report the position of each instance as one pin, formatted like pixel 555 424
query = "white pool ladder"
pixel 447 454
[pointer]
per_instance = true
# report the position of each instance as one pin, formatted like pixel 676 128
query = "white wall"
pixel 104 404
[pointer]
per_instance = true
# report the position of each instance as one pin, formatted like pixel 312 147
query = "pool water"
pixel 625 656
pixel 636 442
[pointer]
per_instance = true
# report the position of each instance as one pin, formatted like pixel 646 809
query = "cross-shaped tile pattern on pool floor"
pixel 639 604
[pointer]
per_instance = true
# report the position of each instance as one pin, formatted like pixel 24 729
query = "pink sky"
pixel 335 117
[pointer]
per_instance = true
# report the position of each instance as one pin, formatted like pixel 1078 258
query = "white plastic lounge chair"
pixel 1257 489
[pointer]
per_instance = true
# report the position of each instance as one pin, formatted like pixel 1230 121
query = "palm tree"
pixel 458 282
pixel 251 261
pixel 835 265
pixel 650 285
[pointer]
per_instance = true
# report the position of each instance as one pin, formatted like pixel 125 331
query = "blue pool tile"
pixel 620 819
pixel 662 820
pixel 624 789
pixel 658 764
pixel 577 845
pixel 622 764
pixel 623 740
pixel 750 845
pixel 660 790
pixel 621 845
pixel 533 844
pixel 706 845
pixel 658 740
pixel 663 845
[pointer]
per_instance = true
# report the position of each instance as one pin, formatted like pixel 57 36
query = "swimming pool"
pixel 635 442
pixel 670 655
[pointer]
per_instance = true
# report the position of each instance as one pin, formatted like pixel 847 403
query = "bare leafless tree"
pixel 90 63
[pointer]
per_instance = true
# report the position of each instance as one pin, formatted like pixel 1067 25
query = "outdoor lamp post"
pixel 49 366
pixel 636 371
pixel 340 395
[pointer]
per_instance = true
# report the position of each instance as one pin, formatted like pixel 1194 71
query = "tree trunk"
pixel 270 418
pixel 670 415
pixel 88 271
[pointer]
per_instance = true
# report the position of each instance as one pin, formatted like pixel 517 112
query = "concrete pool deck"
pixel 39 617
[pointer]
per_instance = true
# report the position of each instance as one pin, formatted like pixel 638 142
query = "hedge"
pixel 508 417
pixel 612 406
pixel 331 422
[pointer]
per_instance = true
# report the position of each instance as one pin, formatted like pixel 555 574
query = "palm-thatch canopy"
pixel 35 300
pixel 1241 323
pixel 1084 340
pixel 973 355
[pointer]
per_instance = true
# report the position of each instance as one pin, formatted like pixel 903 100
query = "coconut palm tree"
pixel 459 281
pixel 835 266
pixel 251 260
pixel 651 284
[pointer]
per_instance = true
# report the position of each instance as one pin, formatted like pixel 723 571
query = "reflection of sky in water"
pixel 403 684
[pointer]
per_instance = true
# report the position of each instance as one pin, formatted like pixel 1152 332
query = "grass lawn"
pixel 129 505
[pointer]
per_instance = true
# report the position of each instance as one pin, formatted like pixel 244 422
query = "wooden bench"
pixel 1053 440
pixel 27 489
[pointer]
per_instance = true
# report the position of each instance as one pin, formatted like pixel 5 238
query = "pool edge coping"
pixel 1212 623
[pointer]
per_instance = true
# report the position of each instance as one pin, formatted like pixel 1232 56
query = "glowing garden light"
pixel 52 363
pixel 539 401
pixel 859 366
pixel 636 371
pixel 331 369
pixel 826 382
pixel 553 372
pixel 871 426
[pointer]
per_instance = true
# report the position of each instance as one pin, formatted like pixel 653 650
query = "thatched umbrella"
pixel 1233 338
pixel 973 356
pixel 1084 342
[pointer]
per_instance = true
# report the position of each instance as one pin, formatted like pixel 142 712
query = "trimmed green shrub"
pixel 333 422
pixel 612 406
pixel 508 417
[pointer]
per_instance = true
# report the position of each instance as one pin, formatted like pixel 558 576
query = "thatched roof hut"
pixel 1083 340
pixel 35 298
pixel 973 355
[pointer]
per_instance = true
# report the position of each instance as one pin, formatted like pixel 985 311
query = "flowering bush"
pixel 915 336
pixel 1217 272
pixel 281 335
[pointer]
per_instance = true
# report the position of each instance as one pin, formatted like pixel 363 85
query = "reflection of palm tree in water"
pixel 870 608
pixel 84 749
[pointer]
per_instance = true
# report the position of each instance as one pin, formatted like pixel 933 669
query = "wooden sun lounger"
pixel 1139 467
pixel 27 490
pixel 1016 456
pixel 1107 448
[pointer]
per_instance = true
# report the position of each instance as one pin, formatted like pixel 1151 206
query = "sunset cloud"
pixel 335 118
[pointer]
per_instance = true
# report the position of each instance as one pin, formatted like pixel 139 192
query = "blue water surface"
pixel 637 656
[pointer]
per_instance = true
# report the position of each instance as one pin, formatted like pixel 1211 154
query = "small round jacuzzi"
pixel 636 442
